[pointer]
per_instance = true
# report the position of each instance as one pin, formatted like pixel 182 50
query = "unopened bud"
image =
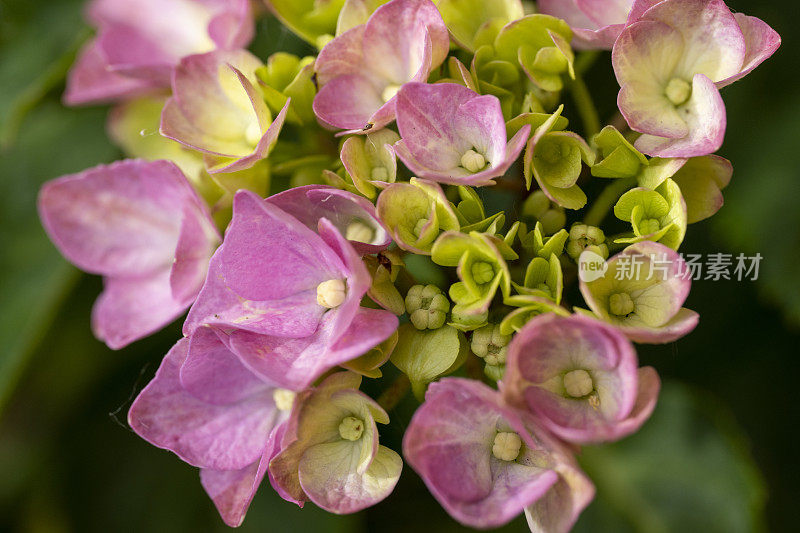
pixel 578 383
pixel 331 293
pixel 473 161
pixel 506 446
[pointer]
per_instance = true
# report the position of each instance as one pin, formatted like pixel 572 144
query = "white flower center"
pixel 331 293
pixel 578 383
pixel 351 428
pixel 283 399
pixel 359 232
pixel 473 161
pixel 506 446
pixel 678 91
pixel 621 304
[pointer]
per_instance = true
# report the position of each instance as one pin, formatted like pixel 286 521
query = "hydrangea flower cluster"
pixel 288 202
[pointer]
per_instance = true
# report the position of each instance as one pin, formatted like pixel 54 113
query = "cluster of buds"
pixel 400 243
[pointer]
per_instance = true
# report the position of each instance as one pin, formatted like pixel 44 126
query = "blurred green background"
pixel 717 456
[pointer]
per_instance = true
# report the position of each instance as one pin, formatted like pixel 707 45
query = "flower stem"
pixel 582 97
pixel 603 204
pixel 395 393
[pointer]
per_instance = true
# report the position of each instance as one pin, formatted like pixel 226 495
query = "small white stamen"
pixel 578 383
pixel 331 293
pixel 506 446
pixel 473 161
pixel 678 91
pixel 283 398
pixel 351 428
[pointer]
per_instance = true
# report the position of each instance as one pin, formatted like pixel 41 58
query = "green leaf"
pixel 685 470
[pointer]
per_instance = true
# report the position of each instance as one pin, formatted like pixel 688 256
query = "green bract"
pixel 482 269
pixel 470 20
pixel 312 20
pixel 543 278
pixel 427 306
pixel 618 157
pixel 370 161
pixel 555 159
pixel 424 356
pixel 540 45
pixel 416 213
pixel 540 246
pixel 472 215
pixel 288 76
pixel 658 215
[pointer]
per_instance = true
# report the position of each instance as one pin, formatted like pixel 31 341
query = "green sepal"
pixel 383 291
pixel 313 21
pixel 657 171
pixel 701 181
pixel 618 157
pixel 369 365
pixel 364 155
pixel 543 247
pixel 470 20
pixel 528 306
pixel 543 278
pixel 467 322
pixel 425 356
pixel 535 120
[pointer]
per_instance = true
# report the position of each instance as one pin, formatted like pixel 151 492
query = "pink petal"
pixel 347 102
pixel 761 42
pixel 220 437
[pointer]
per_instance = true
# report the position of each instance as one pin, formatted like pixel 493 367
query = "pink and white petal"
pixel 761 42
pixel 644 57
pixel 601 39
pixel 343 56
pixel 569 11
pixel 328 475
pixel 229 437
pixel 131 53
pixel 606 12
pixel 215 375
pixel 684 321
pixel 347 102
pixel 714 44
pixel 90 81
pixel 649 387
pixel 706 120
pixel 233 25
pixel 480 122
pixel 639 8
pixel 560 508
pixel 396 35
pixel 122 219
pixel 498 169
pixel 129 309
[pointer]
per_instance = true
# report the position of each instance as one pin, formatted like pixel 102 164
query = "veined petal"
pixel 761 41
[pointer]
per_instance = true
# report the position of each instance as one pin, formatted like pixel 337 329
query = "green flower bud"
pixel 490 344
pixel 494 372
pixel 467 322
pixel 583 237
pixel 427 355
pixel 540 246
pixel 543 278
pixel 658 215
pixel 416 213
pixel 288 76
pixel 384 270
pixel 351 428
pixel 506 446
pixel 551 215
pixel 427 306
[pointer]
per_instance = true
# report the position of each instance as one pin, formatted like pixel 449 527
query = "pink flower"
pixel 360 72
pixel 578 377
pixel 139 43
pixel 672 61
pixel 213 413
pixel 451 134
pixel 486 462
pixel 143 228
pixel 289 297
